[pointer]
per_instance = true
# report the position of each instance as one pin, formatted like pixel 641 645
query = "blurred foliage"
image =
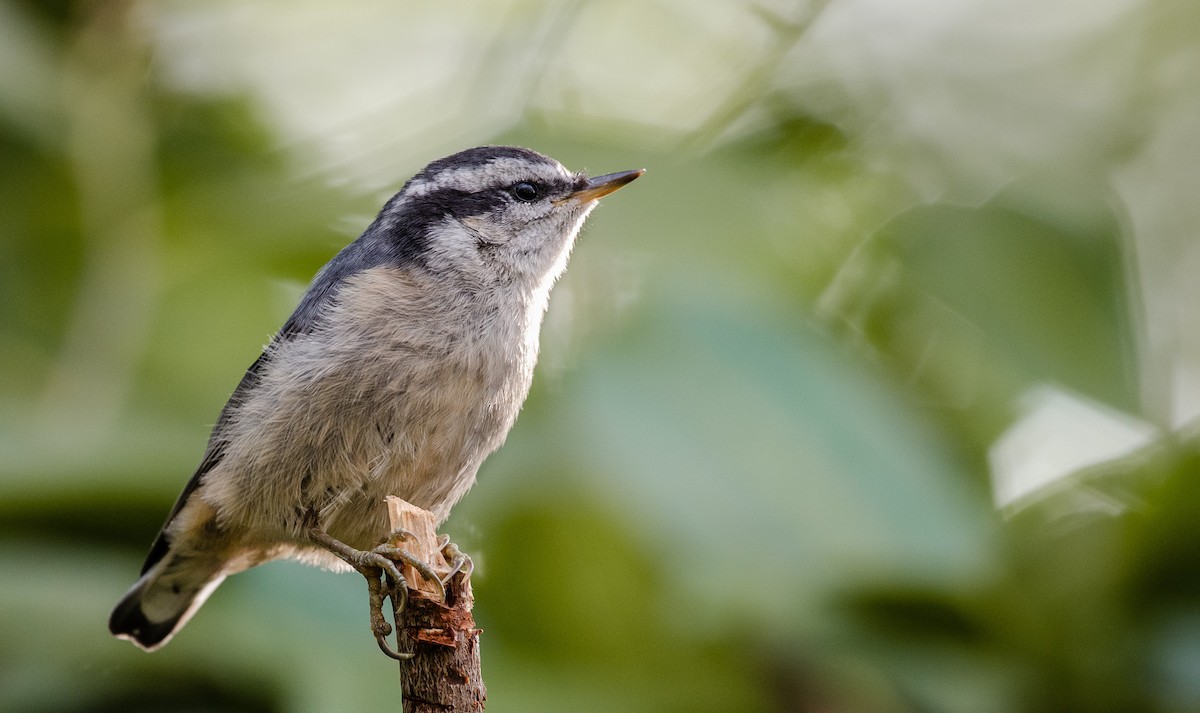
pixel 753 473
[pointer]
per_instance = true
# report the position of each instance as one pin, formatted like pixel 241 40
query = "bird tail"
pixel 163 600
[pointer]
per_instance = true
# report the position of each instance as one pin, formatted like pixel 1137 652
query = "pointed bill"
pixel 601 186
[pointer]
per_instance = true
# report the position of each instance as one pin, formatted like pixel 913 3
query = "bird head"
pixel 494 214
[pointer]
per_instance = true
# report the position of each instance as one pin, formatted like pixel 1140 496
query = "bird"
pixel 401 370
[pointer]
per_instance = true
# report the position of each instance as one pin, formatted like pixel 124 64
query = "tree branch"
pixel 444 675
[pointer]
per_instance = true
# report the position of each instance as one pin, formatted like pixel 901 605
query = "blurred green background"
pixel 876 393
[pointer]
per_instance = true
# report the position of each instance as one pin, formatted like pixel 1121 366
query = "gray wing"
pixel 302 322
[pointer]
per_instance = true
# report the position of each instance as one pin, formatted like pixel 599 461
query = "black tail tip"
pixel 130 623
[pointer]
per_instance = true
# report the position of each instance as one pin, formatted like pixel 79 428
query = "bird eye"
pixel 525 192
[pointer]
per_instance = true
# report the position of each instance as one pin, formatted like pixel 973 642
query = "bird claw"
pixel 459 561
pixel 389 652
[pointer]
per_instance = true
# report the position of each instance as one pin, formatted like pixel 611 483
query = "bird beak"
pixel 601 186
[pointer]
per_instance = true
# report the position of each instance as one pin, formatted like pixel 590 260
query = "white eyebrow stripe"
pixel 496 172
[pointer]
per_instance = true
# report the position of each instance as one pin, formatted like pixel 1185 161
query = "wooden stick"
pixel 444 676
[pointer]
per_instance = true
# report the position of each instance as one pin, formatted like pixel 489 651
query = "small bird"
pixel 401 370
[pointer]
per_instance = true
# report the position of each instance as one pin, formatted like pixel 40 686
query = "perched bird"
pixel 401 370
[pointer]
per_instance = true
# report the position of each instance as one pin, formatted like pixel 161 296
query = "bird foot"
pixel 385 580
pixel 392 548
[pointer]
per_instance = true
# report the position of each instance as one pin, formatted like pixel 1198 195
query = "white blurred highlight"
pixel 1058 434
